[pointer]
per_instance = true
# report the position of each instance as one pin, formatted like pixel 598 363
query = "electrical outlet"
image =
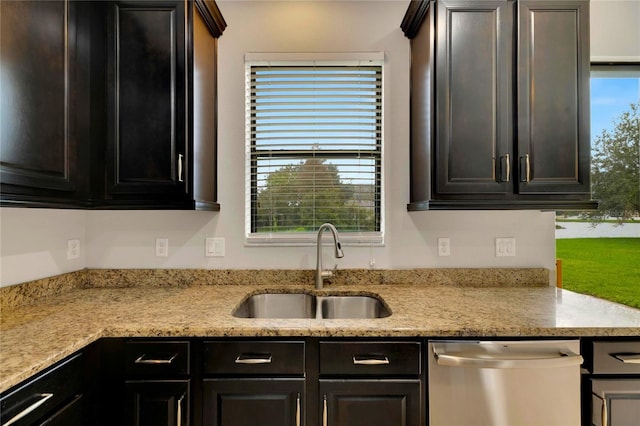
pixel 214 247
pixel 73 249
pixel 444 247
pixel 162 247
pixel 505 246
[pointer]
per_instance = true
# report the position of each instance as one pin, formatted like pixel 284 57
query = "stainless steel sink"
pixel 300 305
pixel 276 305
pixel 334 307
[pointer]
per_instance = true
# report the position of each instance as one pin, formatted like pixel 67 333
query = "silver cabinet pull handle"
pixel 604 416
pixel 325 413
pixel 370 360
pixel 179 411
pixel 527 169
pixel 168 360
pixel 627 358
pixel 253 359
pixel 508 159
pixel 504 174
pixel 180 167
pixel 298 410
pixel 44 397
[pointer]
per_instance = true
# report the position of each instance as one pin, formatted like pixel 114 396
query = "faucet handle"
pixel 334 271
pixel 327 274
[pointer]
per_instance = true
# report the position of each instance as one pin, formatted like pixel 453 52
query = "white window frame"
pixel 301 59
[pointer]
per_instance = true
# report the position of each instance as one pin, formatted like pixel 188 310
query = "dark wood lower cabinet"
pixel 228 382
pixel 69 415
pixel 53 397
pixel 157 402
pixel 250 402
pixel 370 402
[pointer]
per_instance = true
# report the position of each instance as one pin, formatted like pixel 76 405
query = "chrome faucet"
pixel 322 275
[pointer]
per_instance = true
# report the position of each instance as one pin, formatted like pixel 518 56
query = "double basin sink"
pixel 302 305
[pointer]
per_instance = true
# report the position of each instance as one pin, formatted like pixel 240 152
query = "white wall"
pixel 615 30
pixel 126 240
pixel 34 241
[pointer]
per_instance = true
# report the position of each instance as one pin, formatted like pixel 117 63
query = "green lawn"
pixel 608 268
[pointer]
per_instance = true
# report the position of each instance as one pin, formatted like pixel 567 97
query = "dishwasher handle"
pixel 505 360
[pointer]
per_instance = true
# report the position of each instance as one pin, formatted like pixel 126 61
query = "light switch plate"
pixel 214 247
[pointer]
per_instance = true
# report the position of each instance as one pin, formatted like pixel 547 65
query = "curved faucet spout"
pixel 321 274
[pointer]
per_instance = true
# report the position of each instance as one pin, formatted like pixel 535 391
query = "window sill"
pixel 347 239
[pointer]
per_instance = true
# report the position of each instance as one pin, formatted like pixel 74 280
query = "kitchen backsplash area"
pixel 29 292
pixel 34 243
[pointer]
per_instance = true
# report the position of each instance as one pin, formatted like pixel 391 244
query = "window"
pixel 592 255
pixel 615 148
pixel 613 89
pixel 314 150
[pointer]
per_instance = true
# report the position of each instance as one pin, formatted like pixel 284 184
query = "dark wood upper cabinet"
pixel 553 98
pixel 498 121
pixel 42 102
pixel 146 66
pixel 161 103
pixel 110 104
pixel 473 95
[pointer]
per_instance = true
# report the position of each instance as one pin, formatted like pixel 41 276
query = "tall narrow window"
pixel 314 138
pixel 615 132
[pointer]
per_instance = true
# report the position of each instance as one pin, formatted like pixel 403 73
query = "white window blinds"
pixel 314 138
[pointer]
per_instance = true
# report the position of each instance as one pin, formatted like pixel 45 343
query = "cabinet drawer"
pixel 254 358
pixel 38 397
pixel 370 358
pixel 621 357
pixel 149 358
pixel 71 414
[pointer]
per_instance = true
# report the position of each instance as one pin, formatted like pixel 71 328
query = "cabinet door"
pixel 473 97
pixel 617 409
pixel 553 97
pixel 146 100
pixel 250 402
pixel 40 94
pixel 615 402
pixel 157 402
pixel 371 403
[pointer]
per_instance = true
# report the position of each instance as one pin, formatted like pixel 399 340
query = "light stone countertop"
pixel 35 336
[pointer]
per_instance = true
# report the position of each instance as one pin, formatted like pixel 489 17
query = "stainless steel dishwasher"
pixel 504 383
